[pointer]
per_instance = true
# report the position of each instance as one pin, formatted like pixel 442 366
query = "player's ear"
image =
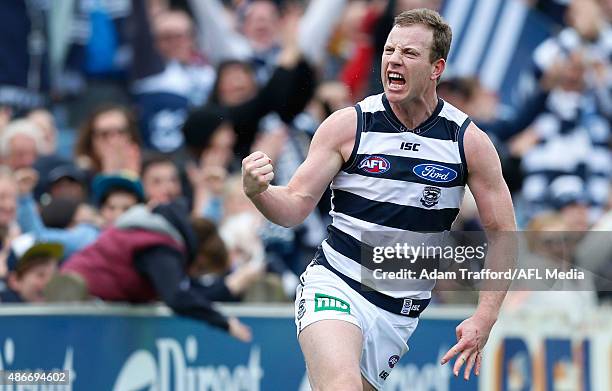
pixel 438 67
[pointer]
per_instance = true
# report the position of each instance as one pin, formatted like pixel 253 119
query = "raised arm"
pixel 289 205
pixel 497 216
pixel 217 37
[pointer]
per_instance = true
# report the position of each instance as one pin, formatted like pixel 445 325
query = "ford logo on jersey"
pixel 375 164
pixel 435 172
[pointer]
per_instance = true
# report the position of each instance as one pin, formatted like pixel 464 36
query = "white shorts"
pixel 324 295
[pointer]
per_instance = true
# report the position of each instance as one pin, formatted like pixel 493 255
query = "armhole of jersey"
pixel 351 161
pixel 460 136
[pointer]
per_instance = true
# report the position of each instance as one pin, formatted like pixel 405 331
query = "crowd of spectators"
pixel 123 124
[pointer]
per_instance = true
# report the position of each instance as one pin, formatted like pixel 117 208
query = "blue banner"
pixel 166 353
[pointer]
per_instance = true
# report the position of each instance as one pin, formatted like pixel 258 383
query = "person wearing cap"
pixel 116 193
pixel 31 265
pixel 68 221
pixel 67 181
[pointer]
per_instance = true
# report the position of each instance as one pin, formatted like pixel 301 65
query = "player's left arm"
pixel 496 212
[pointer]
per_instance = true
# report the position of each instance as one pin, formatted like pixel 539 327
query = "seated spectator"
pixel 46 123
pixel 115 194
pixel 66 181
pixel 109 141
pixel 31 265
pixel 21 142
pixel 160 179
pixel 148 255
pixel 68 221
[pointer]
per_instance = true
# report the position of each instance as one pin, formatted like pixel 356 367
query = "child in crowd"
pixel 31 265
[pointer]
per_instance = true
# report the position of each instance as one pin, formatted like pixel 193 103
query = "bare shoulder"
pixel 340 125
pixel 338 131
pixel 479 150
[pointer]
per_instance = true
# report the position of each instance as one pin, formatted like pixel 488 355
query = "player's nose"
pixel 395 57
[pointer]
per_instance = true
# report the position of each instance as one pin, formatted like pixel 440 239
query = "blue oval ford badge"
pixel 435 172
pixel 375 164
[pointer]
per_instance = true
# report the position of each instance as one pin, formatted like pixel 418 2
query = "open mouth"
pixel 395 79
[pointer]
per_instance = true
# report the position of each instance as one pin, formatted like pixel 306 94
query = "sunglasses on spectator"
pixel 109 132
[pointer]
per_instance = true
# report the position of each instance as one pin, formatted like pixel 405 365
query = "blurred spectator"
pixel 258 21
pixel 595 252
pixel 109 141
pixel 574 123
pixel 31 264
pixel 249 237
pixel 354 43
pixel 160 179
pixel 91 53
pixel 147 255
pixel 8 199
pixel 287 93
pixel 182 79
pixel 235 83
pixel 207 181
pixel 115 194
pixel 44 120
pixel 261 40
pixel 66 181
pixel 9 229
pixel 81 225
pixel 550 246
pixel 24 76
pixel 21 142
pixel 67 221
pixel 570 198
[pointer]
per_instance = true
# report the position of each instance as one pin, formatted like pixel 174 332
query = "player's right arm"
pixel 289 205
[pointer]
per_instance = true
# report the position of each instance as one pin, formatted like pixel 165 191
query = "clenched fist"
pixel 256 173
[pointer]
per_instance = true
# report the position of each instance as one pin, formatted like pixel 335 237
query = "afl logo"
pixel 375 165
pixel 435 172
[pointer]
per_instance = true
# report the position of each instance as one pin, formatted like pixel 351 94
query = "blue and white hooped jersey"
pixel 396 180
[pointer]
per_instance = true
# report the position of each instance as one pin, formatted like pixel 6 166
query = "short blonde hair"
pixel 442 34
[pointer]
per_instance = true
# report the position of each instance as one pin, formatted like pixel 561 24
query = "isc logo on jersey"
pixel 435 172
pixel 375 165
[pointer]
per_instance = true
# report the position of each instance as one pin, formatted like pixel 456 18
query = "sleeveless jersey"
pixel 396 180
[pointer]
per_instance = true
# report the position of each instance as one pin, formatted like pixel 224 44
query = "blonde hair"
pixel 442 34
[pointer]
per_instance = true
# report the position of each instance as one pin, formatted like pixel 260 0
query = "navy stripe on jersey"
pixel 419 129
pixel 403 169
pixel 460 135
pixel 441 128
pixel 358 130
pixel 393 215
pixel 346 245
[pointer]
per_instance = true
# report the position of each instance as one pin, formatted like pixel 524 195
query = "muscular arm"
pixel 494 207
pixel 290 205
pixel 497 217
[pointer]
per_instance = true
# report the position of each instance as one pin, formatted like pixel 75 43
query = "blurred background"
pixel 107 105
